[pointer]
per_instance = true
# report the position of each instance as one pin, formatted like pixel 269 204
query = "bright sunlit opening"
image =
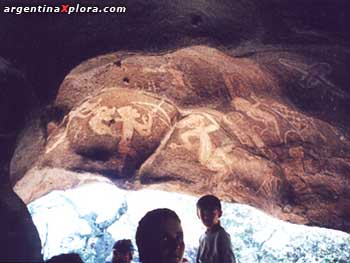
pixel 89 219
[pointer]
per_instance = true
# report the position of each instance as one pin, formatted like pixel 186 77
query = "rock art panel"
pixel 257 152
pixel 198 120
pixel 111 133
pixel 314 79
pixel 310 153
pixel 281 123
pixel 203 157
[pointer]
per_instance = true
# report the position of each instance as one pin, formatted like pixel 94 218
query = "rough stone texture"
pixel 196 76
pixel 111 133
pixel 147 25
pixel 222 124
pixel 264 153
pixel 47 180
pixel 205 158
pixel 155 25
pixel 29 146
pixel 315 79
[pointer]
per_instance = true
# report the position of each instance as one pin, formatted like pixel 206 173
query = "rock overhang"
pixel 198 120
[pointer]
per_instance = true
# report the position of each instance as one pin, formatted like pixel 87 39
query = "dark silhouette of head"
pixel 123 251
pixel 209 202
pixel 66 258
pixel 159 237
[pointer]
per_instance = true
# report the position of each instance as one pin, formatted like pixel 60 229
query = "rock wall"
pixel 198 120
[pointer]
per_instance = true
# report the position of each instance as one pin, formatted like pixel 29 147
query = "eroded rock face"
pixel 113 132
pixel 198 120
pixel 191 77
pixel 259 154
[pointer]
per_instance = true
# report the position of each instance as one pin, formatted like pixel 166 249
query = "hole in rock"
pixel 54 114
pixel 90 218
pixel 97 154
pixel 118 63
pixel 126 80
pixel 196 20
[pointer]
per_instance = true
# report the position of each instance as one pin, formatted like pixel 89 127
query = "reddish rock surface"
pixel 112 133
pixel 191 77
pixel 198 120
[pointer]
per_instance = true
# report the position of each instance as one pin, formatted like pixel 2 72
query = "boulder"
pixel 191 77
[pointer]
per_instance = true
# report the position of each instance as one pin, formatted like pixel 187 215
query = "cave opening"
pixel 88 220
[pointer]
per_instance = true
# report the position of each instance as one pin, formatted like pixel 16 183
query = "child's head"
pixel 123 251
pixel 159 237
pixel 66 258
pixel 209 210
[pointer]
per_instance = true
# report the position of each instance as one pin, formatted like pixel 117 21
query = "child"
pixel 159 237
pixel 215 244
pixel 66 258
pixel 122 251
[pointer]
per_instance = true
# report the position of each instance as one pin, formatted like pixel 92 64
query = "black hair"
pixel 147 229
pixel 124 246
pixel 209 202
pixel 66 258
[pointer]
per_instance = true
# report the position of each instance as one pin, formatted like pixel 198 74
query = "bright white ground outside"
pixel 90 218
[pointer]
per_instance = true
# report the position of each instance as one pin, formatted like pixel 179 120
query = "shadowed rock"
pixel 16 100
pixel 19 240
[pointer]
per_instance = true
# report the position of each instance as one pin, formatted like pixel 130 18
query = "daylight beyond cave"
pixel 88 220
